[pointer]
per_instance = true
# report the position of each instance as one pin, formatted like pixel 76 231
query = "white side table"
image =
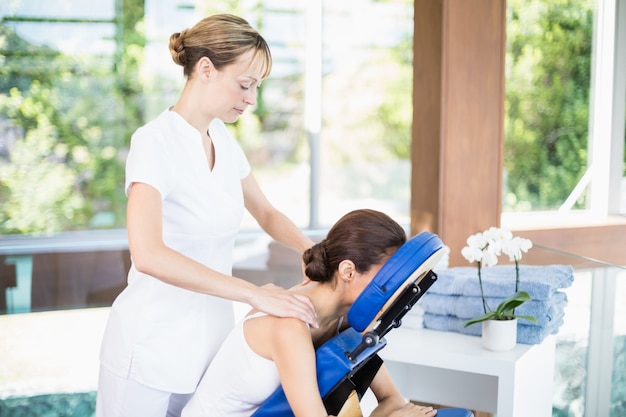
pixel 455 370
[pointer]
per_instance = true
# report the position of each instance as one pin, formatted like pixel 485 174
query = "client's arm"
pixel 287 342
pixel 390 402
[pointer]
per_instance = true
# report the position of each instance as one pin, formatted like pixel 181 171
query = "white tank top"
pixel 237 382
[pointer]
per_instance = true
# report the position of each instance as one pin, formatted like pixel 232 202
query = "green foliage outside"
pixel 65 123
pixel 67 120
pixel 547 101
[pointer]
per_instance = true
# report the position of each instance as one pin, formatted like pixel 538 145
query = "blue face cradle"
pixel 408 264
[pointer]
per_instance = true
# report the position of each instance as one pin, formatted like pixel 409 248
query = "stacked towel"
pixel 414 318
pixel 526 334
pixel 455 298
pixel 545 311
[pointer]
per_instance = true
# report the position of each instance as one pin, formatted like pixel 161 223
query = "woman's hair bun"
pixel 315 263
pixel 177 48
pixel 364 237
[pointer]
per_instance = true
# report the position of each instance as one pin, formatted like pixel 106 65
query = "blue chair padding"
pixel 454 412
pixel 406 265
pixel 332 366
pixel 395 272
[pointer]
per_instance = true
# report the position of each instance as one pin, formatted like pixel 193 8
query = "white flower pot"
pixel 499 335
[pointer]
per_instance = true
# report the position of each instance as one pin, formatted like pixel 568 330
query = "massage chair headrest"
pixel 417 256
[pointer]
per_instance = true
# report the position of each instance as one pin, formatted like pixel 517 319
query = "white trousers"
pixel 121 397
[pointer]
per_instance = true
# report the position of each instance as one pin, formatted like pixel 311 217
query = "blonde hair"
pixel 223 38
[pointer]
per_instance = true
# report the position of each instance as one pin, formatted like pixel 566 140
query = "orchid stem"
pixel 516 279
pixel 482 294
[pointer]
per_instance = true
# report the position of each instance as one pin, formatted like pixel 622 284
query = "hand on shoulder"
pixel 277 301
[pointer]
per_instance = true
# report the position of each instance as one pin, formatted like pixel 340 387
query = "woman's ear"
pixel 205 67
pixel 347 270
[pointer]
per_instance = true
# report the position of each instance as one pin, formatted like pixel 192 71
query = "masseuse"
pixel 188 182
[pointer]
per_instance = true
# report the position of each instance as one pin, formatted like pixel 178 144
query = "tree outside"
pixel 548 66
pixel 66 121
pixel 63 150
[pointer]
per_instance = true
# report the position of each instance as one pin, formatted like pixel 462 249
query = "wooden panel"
pixel 458 118
pixel 596 242
pixel 427 113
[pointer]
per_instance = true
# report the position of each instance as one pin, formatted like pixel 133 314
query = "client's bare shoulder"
pixel 267 336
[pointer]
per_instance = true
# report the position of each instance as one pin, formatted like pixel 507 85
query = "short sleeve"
pixel 146 162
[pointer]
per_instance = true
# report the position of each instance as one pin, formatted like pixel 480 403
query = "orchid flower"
pixel 485 247
pixel 514 248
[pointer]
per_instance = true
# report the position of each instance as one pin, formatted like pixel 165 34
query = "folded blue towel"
pixel 499 281
pixel 526 334
pixel 545 311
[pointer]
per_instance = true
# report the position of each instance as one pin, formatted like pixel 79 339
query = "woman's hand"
pixel 277 301
pixel 413 410
pixel 390 402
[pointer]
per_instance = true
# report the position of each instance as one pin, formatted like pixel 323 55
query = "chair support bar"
pixel 392 317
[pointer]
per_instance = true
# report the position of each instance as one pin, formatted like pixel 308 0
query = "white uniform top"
pixel 237 382
pixel 160 335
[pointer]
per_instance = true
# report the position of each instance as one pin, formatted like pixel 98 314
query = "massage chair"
pixel 347 363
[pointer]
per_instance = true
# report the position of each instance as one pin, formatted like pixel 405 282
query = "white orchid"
pixel 496 237
pixel 472 254
pixel 478 240
pixel 485 247
pixel 514 248
pixel 490 256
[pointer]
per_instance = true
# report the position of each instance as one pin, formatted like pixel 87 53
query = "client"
pixel 263 352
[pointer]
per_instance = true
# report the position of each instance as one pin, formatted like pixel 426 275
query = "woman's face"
pixel 363 280
pixel 236 87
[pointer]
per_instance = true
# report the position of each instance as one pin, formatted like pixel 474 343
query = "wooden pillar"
pixel 458 117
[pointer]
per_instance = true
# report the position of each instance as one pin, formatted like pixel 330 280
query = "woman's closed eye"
pixel 247 83
pixel 247 87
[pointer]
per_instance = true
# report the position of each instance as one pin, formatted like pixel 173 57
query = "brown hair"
pixel 365 237
pixel 223 38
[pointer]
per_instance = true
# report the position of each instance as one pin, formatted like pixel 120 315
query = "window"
pixel 361 104
pixel 564 127
pixel 330 132
pixel 61 148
